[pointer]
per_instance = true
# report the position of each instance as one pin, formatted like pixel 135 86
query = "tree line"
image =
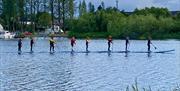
pixel 139 24
pixel 83 19
pixel 15 14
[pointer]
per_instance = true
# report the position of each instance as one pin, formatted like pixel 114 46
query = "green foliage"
pixel 143 23
pixel 155 22
pixel 15 13
pixel 91 8
pixel 82 8
pixel 71 8
pixel 157 12
pixel 89 34
pixel 44 19
pixel 9 13
pixel 86 23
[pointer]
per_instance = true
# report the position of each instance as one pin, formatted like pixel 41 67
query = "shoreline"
pixel 104 35
pixel 176 39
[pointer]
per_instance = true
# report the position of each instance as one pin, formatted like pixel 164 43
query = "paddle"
pixel 57 46
pixel 154 46
pixel 128 46
pixel 112 46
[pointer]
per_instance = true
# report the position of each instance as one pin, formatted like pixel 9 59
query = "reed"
pixel 135 87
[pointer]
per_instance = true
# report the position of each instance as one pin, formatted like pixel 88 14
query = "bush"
pixel 142 23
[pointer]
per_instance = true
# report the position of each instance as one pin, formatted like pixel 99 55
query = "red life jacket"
pixel 73 41
pixel 109 40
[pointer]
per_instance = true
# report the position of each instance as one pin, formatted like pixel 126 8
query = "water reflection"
pixel 126 54
pixel 149 54
pixel 109 54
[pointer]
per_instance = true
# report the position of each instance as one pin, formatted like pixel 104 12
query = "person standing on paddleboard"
pixel 31 44
pixel 127 43
pixel 149 43
pixel 73 42
pixel 52 42
pixel 87 43
pixel 109 42
pixel 19 44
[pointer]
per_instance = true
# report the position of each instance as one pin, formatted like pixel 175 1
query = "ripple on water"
pixel 84 72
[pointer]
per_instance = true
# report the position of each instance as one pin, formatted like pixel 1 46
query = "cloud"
pixel 130 5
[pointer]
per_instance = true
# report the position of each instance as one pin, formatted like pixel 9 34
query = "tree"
pixel 103 5
pixel 71 9
pixel 63 11
pixel 91 7
pixel 44 19
pixel 100 8
pixel 9 13
pixel 84 7
pixel 101 21
pixel 52 13
pixel 157 12
pixel 21 14
pixel 80 9
pixel 45 5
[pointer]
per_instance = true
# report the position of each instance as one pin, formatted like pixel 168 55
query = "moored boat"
pixel 6 35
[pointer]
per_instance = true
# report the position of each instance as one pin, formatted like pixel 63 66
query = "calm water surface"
pixel 42 71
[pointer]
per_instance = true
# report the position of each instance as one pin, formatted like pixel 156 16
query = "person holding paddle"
pixel 109 42
pixel 31 44
pixel 149 43
pixel 19 45
pixel 73 42
pixel 52 42
pixel 127 43
pixel 87 43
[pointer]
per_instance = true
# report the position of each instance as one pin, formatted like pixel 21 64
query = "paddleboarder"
pixel 87 43
pixel 127 43
pixel 31 44
pixel 19 44
pixel 73 42
pixel 52 42
pixel 109 42
pixel 149 44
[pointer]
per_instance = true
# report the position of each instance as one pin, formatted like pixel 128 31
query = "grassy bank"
pixel 106 34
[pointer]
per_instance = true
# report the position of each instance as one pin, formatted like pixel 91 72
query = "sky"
pixel 130 5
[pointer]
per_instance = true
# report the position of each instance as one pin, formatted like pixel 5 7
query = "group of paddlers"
pixel 52 43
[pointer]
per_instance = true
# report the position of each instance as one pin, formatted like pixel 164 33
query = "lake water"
pixel 42 71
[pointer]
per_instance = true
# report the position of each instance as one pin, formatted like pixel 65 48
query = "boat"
pixel 6 35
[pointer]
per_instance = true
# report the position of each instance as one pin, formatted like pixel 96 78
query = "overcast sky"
pixel 130 5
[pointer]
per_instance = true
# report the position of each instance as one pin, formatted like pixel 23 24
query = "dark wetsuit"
pixel 109 43
pixel 51 45
pixel 87 45
pixel 149 45
pixel 73 42
pixel 127 42
pixel 19 45
pixel 31 44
